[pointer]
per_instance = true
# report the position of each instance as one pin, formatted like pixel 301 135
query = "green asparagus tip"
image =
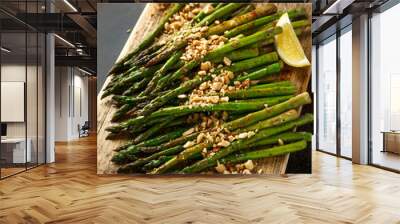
pixel 122 158
pixel 115 129
pixel 106 93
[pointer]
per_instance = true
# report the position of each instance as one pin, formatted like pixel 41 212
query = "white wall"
pixel 15 73
pixel 33 127
pixel 71 93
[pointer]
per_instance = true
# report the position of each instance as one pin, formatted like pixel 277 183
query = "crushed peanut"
pixel 227 61
pixel 182 96
pixel 246 171
pixel 208 9
pixel 206 66
pixel 224 143
pixel 188 144
pixel 198 46
pixel 188 132
pixel 242 135
pixel 220 168
pixel 249 165
pixel 179 19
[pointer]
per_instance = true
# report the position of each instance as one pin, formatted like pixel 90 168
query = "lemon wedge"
pixel 288 45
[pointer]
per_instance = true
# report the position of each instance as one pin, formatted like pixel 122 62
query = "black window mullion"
pixel 369 96
pixel 37 90
pixel 317 97
pixel 26 86
pixel 338 74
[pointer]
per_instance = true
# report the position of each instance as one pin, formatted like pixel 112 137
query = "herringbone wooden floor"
pixel 69 191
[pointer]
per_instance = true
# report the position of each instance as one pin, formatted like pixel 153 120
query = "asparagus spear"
pixel 203 13
pixel 121 100
pixel 178 141
pixel 252 118
pixel 155 141
pixel 224 10
pixel 259 74
pixel 244 10
pixel 273 84
pixel 242 143
pixel 238 20
pixel 262 92
pixel 264 153
pixel 151 131
pixel 181 157
pixel 240 54
pixel 254 62
pixel 121 112
pixel 228 106
pixel 273 100
pixel 155 163
pixel 280 119
pixel 295 13
pixel 284 137
pixel 130 167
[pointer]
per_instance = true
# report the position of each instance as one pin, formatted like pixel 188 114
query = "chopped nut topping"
pixel 220 168
pixel 242 135
pixel 175 23
pixel 249 165
pixel 224 99
pixel 224 143
pixel 182 96
pixel 227 61
pixel 188 132
pixel 208 9
pixel 246 171
pixel 198 46
pixel 188 144
pixel 200 137
pixel 206 66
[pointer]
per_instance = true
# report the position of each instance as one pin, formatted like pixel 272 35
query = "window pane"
pixel 41 99
pixel 385 88
pixel 346 94
pixel 327 96
pixel 14 153
pixel 31 99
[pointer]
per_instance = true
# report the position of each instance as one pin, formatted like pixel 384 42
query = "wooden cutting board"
pixel 149 17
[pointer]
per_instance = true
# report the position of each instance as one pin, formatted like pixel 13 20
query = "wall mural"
pixel 210 88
